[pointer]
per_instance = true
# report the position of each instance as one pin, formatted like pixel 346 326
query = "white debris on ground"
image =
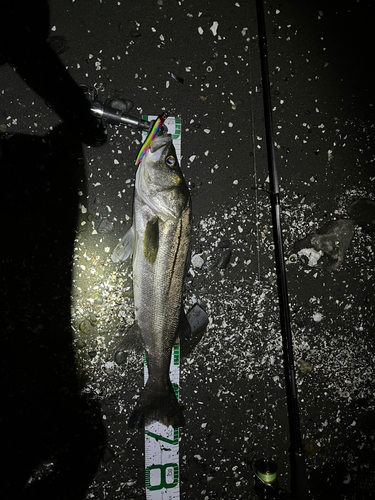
pixel 239 360
pixel 312 255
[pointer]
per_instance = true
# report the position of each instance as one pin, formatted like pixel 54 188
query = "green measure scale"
pixel 162 448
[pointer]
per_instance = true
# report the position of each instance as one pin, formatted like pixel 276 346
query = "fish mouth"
pixel 158 145
pixel 160 141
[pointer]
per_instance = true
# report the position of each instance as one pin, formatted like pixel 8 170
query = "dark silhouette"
pixel 24 44
pixel 52 437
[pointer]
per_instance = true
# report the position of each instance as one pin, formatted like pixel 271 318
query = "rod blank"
pixel 299 484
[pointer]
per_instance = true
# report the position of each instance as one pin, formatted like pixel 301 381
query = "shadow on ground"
pixel 52 437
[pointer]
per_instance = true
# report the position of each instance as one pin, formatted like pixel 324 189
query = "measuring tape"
pixel 162 475
pixel 162 470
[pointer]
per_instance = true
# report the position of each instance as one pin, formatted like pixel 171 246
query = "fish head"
pixel 159 180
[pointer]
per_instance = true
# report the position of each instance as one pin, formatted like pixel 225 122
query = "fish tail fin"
pixel 154 406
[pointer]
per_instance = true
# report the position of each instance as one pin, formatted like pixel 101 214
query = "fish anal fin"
pixel 184 328
pixel 190 336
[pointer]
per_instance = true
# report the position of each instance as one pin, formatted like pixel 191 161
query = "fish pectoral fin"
pixel 151 240
pixel 124 249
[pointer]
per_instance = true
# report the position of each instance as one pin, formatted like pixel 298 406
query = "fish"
pixel 159 241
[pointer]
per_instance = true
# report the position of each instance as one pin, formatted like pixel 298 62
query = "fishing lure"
pixel 152 134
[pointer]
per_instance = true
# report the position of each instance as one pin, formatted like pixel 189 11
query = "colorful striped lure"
pixel 153 133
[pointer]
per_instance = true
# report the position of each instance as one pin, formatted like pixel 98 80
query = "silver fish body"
pixel 159 240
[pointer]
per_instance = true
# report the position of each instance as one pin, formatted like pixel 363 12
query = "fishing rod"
pixel 299 484
pixel 115 112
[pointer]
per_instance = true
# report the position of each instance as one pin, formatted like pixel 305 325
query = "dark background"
pixel 56 443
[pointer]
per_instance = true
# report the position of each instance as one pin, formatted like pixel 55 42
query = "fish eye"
pixel 170 161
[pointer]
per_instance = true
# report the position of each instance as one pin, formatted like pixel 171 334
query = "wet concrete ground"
pixel 65 204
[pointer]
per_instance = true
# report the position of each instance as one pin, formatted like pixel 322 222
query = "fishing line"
pixel 255 167
pixel 258 253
